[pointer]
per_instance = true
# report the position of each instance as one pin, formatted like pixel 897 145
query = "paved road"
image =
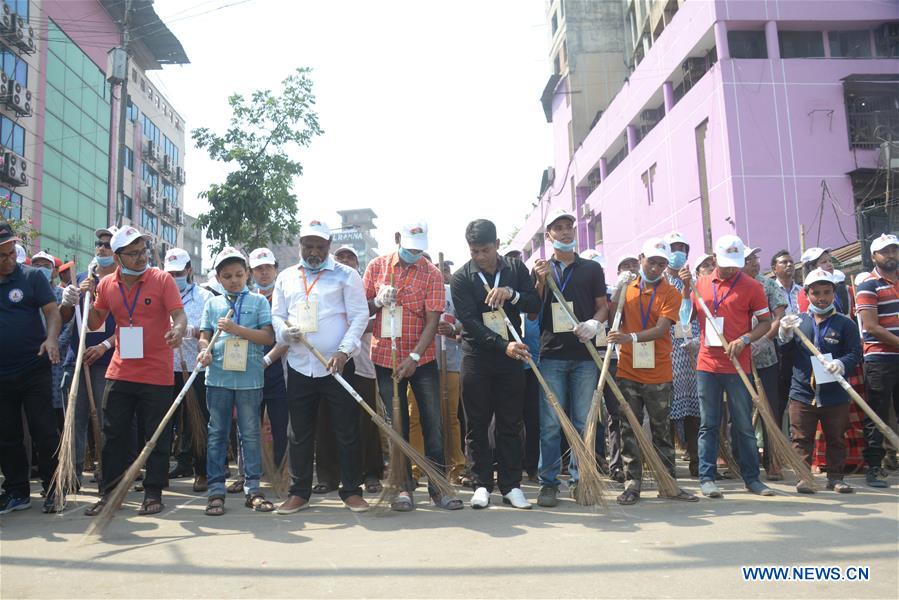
pixel 656 549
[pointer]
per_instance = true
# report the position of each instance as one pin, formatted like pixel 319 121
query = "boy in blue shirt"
pixel 814 393
pixel 235 377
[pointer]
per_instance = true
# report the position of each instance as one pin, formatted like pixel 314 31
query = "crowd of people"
pixel 474 359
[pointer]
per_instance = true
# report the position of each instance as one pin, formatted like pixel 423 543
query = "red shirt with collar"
pixel 739 299
pixel 158 297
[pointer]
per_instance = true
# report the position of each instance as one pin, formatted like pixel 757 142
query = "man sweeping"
pixel 644 375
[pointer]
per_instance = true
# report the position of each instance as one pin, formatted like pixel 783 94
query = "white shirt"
pixel 792 295
pixel 342 313
pixel 194 299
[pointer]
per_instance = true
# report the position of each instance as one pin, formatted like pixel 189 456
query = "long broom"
pixel 444 390
pixel 724 448
pixel 773 460
pixel 881 425
pixel 591 487
pixel 667 486
pixel 397 442
pixel 396 462
pixel 64 478
pixel 196 420
pixel 95 420
pixel 117 497
pixel 777 441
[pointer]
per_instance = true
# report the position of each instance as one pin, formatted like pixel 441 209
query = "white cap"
pixel 625 257
pixel 346 248
pixel 316 228
pixel 656 247
pixel 813 254
pixel 817 276
pixel 123 237
pixel 885 240
pixel 414 236
pixel 106 231
pixel 261 256
pixel 556 215
pixel 861 277
pixel 176 259
pixel 45 256
pixel 701 259
pixel 747 252
pixel 729 251
pixel 20 254
pixel 838 276
pixel 675 237
pixel 226 253
pixel 595 256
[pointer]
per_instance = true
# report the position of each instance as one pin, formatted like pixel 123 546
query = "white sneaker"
pixel 516 499
pixel 480 498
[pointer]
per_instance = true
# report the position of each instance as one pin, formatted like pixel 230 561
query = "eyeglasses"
pixel 135 255
pixel 99 244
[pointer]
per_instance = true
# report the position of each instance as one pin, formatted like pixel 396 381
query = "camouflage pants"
pixel 655 398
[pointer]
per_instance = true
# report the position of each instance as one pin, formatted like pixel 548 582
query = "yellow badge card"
pixel 307 316
pixel 561 321
pixel 645 355
pixel 495 323
pixel 235 358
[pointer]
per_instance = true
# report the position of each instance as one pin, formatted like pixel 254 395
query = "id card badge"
pixel 681 331
pixel 645 355
pixel 495 323
pixel 131 342
pixel 711 335
pixel 561 321
pixel 601 341
pixel 397 318
pixel 235 358
pixel 821 374
pixel 307 316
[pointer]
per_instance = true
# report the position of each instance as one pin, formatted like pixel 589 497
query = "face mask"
pixel 47 271
pixel 265 288
pixel 820 311
pixel 310 268
pixel 408 257
pixel 678 260
pixel 181 282
pixel 105 261
pixel 686 309
pixel 132 272
pixel 563 247
pixel 647 279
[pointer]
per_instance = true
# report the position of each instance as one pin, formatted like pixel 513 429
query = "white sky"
pixel 430 110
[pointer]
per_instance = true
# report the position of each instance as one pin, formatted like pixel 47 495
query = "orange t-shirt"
pixel 154 296
pixel 666 303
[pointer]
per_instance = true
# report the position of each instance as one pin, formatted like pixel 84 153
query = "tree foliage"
pixel 255 206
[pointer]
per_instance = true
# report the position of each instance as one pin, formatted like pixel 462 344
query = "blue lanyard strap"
pixel 717 303
pixel 189 294
pixel 558 274
pixel 644 317
pixel 819 334
pixel 236 305
pixel 133 305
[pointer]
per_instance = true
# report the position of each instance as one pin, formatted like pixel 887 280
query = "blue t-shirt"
pixel 92 338
pixel 252 311
pixel 22 295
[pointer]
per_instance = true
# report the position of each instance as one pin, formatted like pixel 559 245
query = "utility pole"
pixel 123 117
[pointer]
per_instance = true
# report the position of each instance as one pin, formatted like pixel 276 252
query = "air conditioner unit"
pixel 13 170
pixel 152 151
pixel 166 163
pixel 179 175
pixel 151 196
pixel 18 98
pixel 4 86
pixel 7 21
pixel 586 212
pixel 179 216
pixel 23 37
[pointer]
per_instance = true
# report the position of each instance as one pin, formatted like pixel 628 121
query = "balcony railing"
pixel 870 129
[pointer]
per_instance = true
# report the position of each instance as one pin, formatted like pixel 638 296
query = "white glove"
pixel 292 335
pixel 834 367
pixel 790 322
pixel 191 332
pixel 386 296
pixel 70 296
pixel 266 361
pixel 586 330
pixel 624 279
pixel 691 345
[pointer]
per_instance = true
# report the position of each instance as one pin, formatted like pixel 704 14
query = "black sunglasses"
pixel 99 244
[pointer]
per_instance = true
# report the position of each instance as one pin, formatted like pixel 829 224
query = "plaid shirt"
pixel 419 291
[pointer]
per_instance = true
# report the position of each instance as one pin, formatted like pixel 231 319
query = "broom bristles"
pixel 115 500
pixel 591 487
pixel 726 453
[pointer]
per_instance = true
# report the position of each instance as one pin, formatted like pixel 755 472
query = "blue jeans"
pixel 221 403
pixel 711 388
pixel 426 386
pixel 573 383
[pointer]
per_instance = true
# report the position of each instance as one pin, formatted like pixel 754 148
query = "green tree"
pixel 23 227
pixel 255 205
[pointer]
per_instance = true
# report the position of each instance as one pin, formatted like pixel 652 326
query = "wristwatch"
pixel 746 340
pixel 416 357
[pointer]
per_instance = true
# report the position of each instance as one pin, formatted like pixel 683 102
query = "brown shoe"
pixel 292 504
pixel 356 504
pixel 200 484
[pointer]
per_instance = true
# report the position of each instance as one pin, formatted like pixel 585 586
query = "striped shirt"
pixel 880 294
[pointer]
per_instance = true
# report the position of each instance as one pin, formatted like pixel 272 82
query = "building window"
pixel 14 67
pixel 850 44
pixel 14 210
pixel 18 7
pixel 747 44
pixel 128 208
pixel 129 159
pixel 169 234
pixel 132 111
pixel 872 110
pixel 169 148
pixel 886 40
pixel 149 221
pixel 597 230
pixel 149 175
pixel 170 198
pixel 555 23
pixel 12 136
pixel 801 44
pixel 648 179
pixel 150 130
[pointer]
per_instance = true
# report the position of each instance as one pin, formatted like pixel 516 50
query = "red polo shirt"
pixel 738 300
pixel 157 296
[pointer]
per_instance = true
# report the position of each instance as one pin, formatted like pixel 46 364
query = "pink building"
pixel 768 119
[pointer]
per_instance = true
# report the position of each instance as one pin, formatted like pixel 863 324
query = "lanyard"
pixel 819 335
pixel 308 287
pixel 133 305
pixel 837 303
pixel 236 306
pixel 190 293
pixel 495 279
pixel 715 302
pixel 558 275
pixel 644 317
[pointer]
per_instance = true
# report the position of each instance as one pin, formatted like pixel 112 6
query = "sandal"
pixel 402 503
pixel 258 503
pixel 215 506
pixel 96 508
pixel 628 498
pixel 373 487
pixel 235 487
pixel 151 506
pixel 323 488
pixel 682 496
pixel 447 502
